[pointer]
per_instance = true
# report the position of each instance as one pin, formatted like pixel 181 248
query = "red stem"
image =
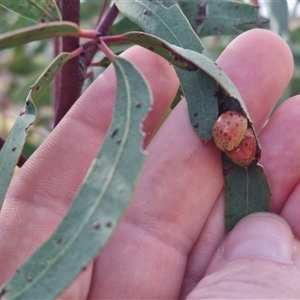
pixel 91 47
pixel 71 75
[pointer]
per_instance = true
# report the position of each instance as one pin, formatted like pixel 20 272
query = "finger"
pixel 259 258
pixel 43 189
pixel 260 99
pixel 182 180
pixel 280 158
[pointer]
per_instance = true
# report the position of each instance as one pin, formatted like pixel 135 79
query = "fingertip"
pixel 260 63
pixel 261 235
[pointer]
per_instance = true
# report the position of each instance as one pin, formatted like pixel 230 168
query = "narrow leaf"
pixel 37 32
pixel 35 10
pixel 205 101
pixel 220 17
pixel 100 202
pixel 247 190
pixel 166 20
pixel 13 146
pixel 44 81
pixel 279 18
pixel 163 19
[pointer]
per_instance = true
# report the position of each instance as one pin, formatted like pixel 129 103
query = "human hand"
pixel 171 241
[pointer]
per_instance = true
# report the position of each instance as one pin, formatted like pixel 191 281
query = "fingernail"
pixel 261 235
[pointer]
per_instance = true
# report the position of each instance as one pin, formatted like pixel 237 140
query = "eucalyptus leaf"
pixel 100 202
pixel 247 190
pixel 279 18
pixel 13 146
pixel 220 17
pixel 35 10
pixel 165 19
pixel 201 103
pixel 37 32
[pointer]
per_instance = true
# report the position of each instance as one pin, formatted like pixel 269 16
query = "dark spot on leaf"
pixel 13 149
pixel 84 268
pixel 138 104
pixel 237 6
pixel 146 11
pixel 2 292
pixel 196 125
pixel 42 20
pixel 201 14
pixel 151 48
pixel 96 225
pixel 119 141
pixel 49 5
pixel 59 241
pixel 114 132
pixel 195 114
pixel 108 224
pixel 37 88
pixel 27 102
pixel 29 278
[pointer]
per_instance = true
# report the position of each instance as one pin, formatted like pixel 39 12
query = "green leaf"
pixel 201 103
pixel 163 19
pixel 237 188
pixel 35 10
pixel 37 32
pixel 100 202
pixel 247 190
pixel 43 82
pixel 220 17
pixel 13 146
pixel 279 18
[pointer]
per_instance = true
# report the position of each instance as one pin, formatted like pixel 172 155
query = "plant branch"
pixel 71 76
pixel 91 47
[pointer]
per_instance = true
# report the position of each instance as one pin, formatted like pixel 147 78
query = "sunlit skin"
pixel 171 243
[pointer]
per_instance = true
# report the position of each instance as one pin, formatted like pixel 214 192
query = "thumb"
pixel 260 258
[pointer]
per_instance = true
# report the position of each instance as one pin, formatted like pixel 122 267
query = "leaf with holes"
pixel 165 20
pixel 100 202
pixel 35 10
